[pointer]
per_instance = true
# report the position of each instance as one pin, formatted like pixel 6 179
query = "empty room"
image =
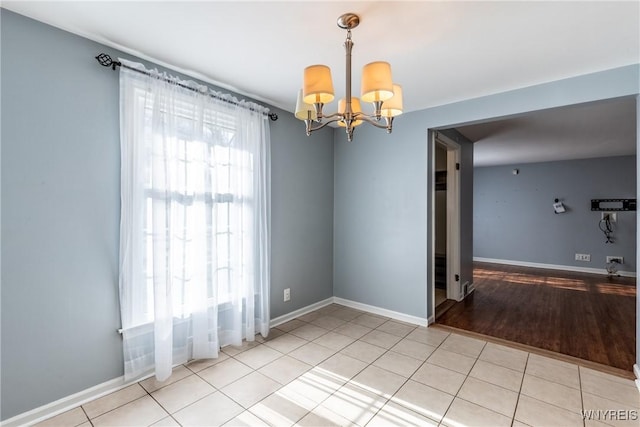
pixel 549 271
pixel 249 213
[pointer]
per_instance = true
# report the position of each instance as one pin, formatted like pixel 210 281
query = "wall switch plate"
pixel 618 258
pixel 613 217
pixel 287 294
pixel 583 257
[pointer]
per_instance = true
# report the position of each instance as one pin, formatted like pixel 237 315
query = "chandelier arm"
pixel 371 120
pixel 360 115
pixel 339 116
pixel 311 129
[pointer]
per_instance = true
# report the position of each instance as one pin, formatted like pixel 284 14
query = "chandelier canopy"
pixel 377 88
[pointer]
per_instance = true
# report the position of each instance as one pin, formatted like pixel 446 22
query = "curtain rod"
pixel 106 61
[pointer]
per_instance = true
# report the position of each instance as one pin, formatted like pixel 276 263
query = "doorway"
pixel 446 223
pixel 545 298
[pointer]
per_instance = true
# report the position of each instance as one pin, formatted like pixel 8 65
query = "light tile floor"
pixel 338 366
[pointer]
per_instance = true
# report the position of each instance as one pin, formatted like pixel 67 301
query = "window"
pixel 195 221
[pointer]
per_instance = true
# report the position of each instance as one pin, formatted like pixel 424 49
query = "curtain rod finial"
pixel 106 61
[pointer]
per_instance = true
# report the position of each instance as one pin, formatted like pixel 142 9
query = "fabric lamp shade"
pixel 318 85
pixel 377 84
pixel 355 108
pixel 393 106
pixel 303 109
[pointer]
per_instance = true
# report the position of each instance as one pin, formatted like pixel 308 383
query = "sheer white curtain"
pixel 194 231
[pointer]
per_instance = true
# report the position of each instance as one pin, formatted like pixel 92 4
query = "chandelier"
pixel 377 87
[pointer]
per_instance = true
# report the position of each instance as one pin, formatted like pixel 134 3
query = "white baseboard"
pixel 636 371
pixel 431 320
pixel 66 403
pixel 300 312
pixel 382 312
pixel 553 266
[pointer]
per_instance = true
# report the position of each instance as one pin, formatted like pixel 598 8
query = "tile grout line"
pixel 86 415
pixel 515 410
pixel 165 409
pixel 457 391
pixel 281 385
pixel 117 407
pixel 486 382
pixel 584 421
pixel 554 404
pixel 284 385
pixel 440 423
pixel 496 385
pixel 402 385
pixel 408 378
pixel 215 389
pixel 349 380
pixel 238 379
pixel 356 374
pixel 219 390
pixel 499 366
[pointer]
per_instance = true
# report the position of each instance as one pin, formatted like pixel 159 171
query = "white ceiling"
pixel 601 129
pixel 441 52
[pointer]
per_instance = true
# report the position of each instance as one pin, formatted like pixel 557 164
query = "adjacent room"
pixel 224 213
pixel 543 264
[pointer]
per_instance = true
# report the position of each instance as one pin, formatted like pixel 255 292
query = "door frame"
pixel 454 289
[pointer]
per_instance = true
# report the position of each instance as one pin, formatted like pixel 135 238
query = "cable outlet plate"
pixel 613 217
pixel 287 294
pixel 583 257
pixel 618 258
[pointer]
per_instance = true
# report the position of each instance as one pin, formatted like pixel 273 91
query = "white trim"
pixel 431 320
pixel 553 266
pixel 67 403
pixel 407 318
pixel 454 151
pixel 453 214
pixel 636 370
pixel 453 219
pixel 300 312
pixel 431 263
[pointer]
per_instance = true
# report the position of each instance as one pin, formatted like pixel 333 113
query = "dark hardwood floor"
pixel 588 316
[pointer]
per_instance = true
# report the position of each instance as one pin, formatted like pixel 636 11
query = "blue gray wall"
pixel 382 233
pixel 60 177
pixel 513 218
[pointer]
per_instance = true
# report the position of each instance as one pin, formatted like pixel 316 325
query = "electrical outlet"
pixel 287 294
pixel 612 216
pixel 619 259
pixel 583 257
